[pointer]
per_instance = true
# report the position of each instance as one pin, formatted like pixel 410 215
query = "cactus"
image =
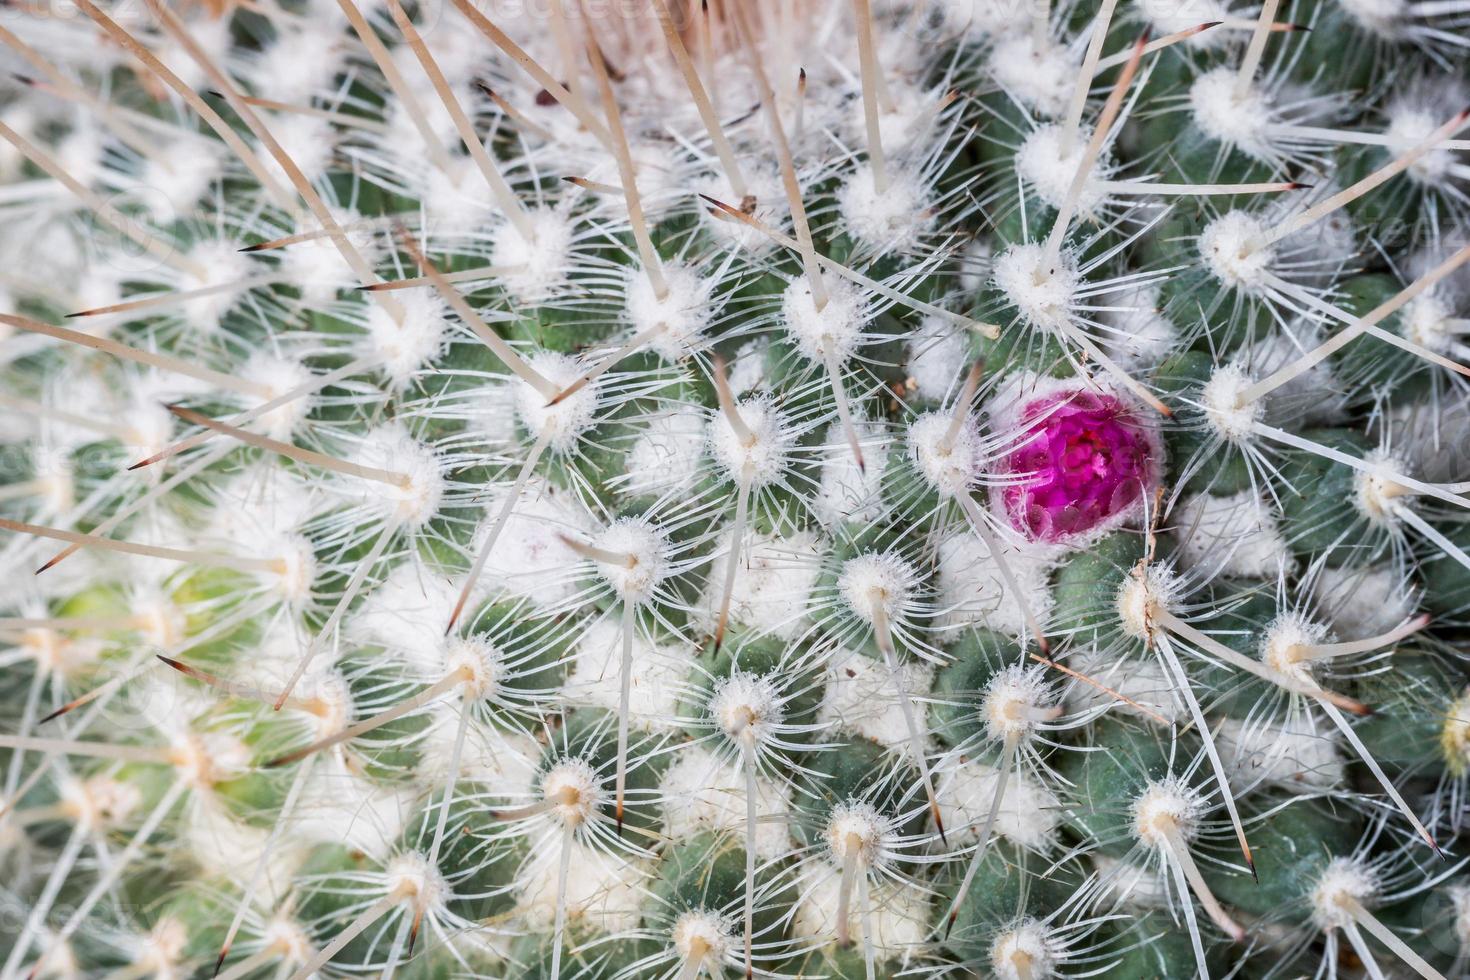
pixel 679 490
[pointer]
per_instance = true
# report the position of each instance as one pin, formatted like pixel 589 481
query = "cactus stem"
pixel 884 636
pixel 1008 761
pixel 432 693
pixel 285 398
pixel 152 359
pixel 707 113
pixel 1186 691
pixel 1361 916
pixel 500 520
pixel 505 198
pixel 359 575
pixel 977 523
pixel 308 456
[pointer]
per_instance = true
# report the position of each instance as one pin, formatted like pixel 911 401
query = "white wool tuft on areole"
pixel 1040 75
pixel 972 591
pixel 1241 120
pixel 1029 815
pixel 773 583
pixel 647 550
pixel 1294 754
pixel 665 455
pixel 1377 494
pixel 1363 601
pixel 1385 18
pixel 415 500
pixel 835 330
pixel 658 680
pixel 563 423
pixel 535 269
pixel 1229 415
pixel 893 218
pixel 767 454
pixel 933 351
pixel 1043 291
pixel 704 792
pixel 530 558
pixel 1137 334
pixel 1232 251
pixel 605 894
pixel 1343 878
pixel 1142 594
pixel 1049 169
pixel 846 491
pixel 898 914
pixel 950 465
pixel 405 348
pixel 877 581
pixel 681 316
pixel 1239 534
pixel 1028 950
pixel 1167 805
pixel 861 697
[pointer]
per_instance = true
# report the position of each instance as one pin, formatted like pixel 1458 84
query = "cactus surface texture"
pixel 661 490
